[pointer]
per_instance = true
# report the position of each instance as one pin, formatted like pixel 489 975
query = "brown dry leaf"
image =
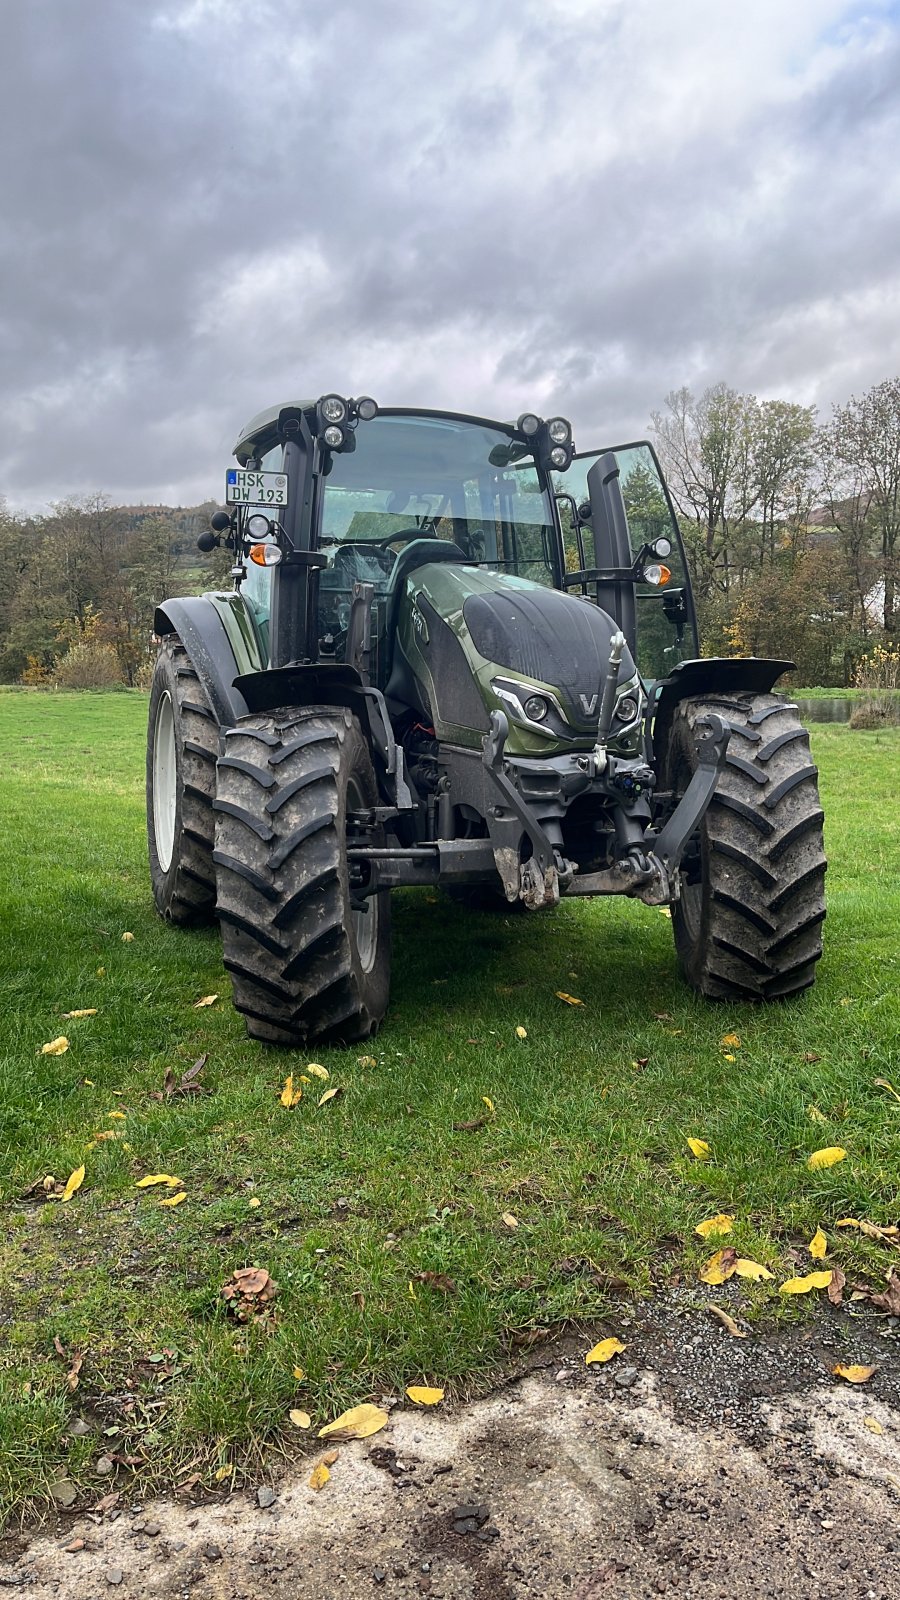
pixel 828 1157
pixel 56 1047
pixel 752 1270
pixel 73 1182
pixel 810 1057
pixel 72 1374
pixel 730 1041
pixel 330 1457
pixel 727 1322
pixel 87 1011
pixel 812 1280
pixel 319 1476
pixel 714 1226
pixel 422 1395
pixel 853 1374
pixel 157 1178
pixel 720 1267
pixel 699 1148
pixel 568 998
pixel 890 1300
pixel 318 1072
pixel 510 1220
pixel 357 1423
pixel 208 1000
pixel 818 1245
pixel 836 1287
pixel 108 1501
pixel 471 1127
pixel 873 1425
pixel 330 1094
pixel 300 1419
pixel 604 1351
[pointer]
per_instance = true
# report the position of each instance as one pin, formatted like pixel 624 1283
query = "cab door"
pixel 666 626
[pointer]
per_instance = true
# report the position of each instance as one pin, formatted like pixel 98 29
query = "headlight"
pixel 535 708
pixel 333 437
pixel 627 709
pixel 334 409
pixel 661 547
pixel 559 457
pixel 559 430
pixel 528 424
pixel 656 574
pixel 258 526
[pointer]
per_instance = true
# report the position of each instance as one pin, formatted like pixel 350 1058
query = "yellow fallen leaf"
pixel 90 1082
pixel 604 1351
pixel 883 1083
pixel 510 1220
pixel 253 1202
pixel 75 1180
pixel 223 1472
pixel 101 972
pixel 854 1374
pixel 812 1280
pixel 818 1244
pixel 366 1061
pixel 568 998
pixel 720 1267
pixel 486 1099
pixel 846 1222
pixel 155 1178
pixel 412 1290
pixel 713 1226
pixel 873 1425
pixel 174 1199
pixel 208 1000
pixel 357 1423
pixel 88 1011
pixel 751 1269
pixel 118 1115
pixel 828 1157
pixel 730 1041
pixel 300 1419
pixel 128 938
pixel 521 1033
pixel 729 1058
pixel 700 1149
pixel 665 912
pixel 317 1071
pixel 328 1095
pixel 287 1093
pixel 319 1476
pixel 56 1047
pixel 421 1395
pixel 299 1374
pixel 815 1115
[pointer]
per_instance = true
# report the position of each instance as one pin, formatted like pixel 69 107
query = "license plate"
pixel 243 488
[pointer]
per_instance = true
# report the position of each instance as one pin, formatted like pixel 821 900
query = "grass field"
pixel 580 1133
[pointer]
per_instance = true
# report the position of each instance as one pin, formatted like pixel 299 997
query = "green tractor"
pixel 457 652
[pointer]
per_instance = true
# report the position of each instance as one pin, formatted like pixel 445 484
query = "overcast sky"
pixel 209 206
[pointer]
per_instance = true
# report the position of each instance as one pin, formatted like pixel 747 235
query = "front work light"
pixel 559 457
pixel 661 547
pixel 365 408
pixel 656 574
pixel 528 424
pixel 333 437
pixel 258 526
pixel 559 430
pixel 333 408
pixel 265 555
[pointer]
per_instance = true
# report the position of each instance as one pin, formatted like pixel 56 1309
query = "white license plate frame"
pixel 246 488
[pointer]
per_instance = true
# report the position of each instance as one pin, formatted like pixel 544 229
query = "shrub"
pixel 88 665
pixel 878 675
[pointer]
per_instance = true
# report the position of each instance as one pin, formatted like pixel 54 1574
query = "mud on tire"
pixel 749 923
pixel 181 865
pixel 304 963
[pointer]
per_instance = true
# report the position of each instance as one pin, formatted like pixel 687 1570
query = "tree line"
pixel 792 529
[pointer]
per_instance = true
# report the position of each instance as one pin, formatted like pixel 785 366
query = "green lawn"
pixel 585 1145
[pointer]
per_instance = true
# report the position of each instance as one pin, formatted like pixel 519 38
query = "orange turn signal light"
pixel 657 574
pixel 265 555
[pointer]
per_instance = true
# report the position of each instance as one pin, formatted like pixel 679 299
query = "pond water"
pixel 825 710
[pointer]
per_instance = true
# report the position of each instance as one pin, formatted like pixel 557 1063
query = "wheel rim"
pixel 164 781
pixel 364 923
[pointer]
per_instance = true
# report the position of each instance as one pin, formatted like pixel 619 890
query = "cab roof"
pixel 265 424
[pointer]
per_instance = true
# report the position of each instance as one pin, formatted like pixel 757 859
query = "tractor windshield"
pixel 431 477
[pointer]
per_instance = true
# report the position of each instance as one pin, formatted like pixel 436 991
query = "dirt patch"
pixel 696 1464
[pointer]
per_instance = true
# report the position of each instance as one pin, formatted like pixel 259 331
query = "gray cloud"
pixel 209 205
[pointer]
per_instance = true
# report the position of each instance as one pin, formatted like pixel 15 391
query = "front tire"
pixel 748 924
pixel 305 962
pixel 182 746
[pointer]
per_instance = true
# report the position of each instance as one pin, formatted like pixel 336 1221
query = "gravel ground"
pixel 695 1464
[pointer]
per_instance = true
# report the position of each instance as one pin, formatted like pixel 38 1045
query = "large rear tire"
pixel 305 961
pixel 182 746
pixel 748 925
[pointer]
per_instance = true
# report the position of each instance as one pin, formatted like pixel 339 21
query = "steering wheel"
pixel 406 534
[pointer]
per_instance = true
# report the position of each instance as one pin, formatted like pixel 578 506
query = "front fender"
pixel 201 630
pixel 709 676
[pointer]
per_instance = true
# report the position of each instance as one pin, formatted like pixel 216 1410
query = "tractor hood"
pixel 464 629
